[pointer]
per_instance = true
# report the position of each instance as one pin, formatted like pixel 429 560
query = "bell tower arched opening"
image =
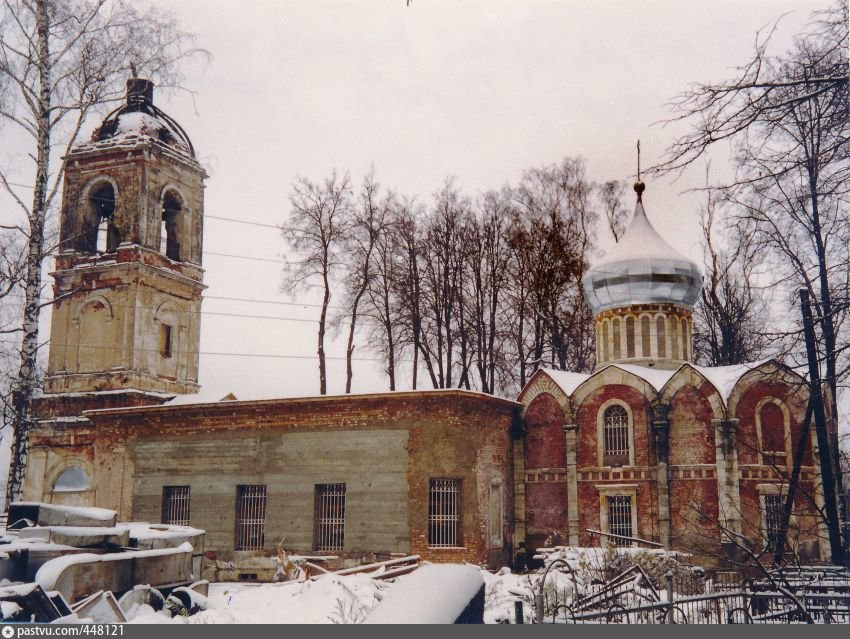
pixel 100 234
pixel 169 234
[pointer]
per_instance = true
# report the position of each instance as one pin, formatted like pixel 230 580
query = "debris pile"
pixel 64 563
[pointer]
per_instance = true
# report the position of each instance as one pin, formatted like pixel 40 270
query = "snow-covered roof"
pixel 139 122
pixel 655 377
pixel 641 269
pixel 567 381
pixel 212 396
pixel 723 378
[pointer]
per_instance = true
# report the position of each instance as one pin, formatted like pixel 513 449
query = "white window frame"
pixel 786 422
pixel 616 490
pixel 600 432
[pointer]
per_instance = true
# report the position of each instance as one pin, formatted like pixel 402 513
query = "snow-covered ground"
pixel 330 599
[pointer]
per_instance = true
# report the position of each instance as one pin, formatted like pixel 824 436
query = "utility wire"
pixel 215 353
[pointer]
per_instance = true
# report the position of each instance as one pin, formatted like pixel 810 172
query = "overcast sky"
pixel 479 90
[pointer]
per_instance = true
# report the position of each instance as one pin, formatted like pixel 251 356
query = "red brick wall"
pixel 586 419
pixel 591 476
pixel 545 445
pixel 691 430
pixel 694 510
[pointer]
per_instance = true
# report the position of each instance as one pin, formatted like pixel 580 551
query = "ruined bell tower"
pixel 128 278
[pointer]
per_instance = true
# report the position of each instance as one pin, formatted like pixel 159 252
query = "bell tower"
pixel 128 278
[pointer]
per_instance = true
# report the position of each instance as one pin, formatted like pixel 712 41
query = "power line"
pixel 226 298
pixel 255 301
pixel 216 353
pixel 248 222
pixel 246 257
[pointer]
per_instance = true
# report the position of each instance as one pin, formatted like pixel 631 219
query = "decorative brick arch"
pixel 687 375
pixel 94 300
pixel 612 375
pixel 539 384
pixel 770 370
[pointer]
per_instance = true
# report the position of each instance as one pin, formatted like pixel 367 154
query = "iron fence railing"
pixel 806 596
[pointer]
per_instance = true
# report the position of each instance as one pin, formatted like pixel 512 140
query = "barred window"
pixel 615 436
pixel 620 519
pixel 329 517
pixel 773 508
pixel 175 505
pixel 250 517
pixel 444 513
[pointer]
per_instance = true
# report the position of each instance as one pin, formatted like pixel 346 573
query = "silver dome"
pixel 642 269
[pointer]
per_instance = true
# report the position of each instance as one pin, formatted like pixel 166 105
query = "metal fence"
pixel 814 595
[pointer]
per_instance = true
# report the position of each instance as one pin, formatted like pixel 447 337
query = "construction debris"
pixel 84 556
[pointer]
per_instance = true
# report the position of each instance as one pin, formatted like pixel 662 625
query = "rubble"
pixel 75 564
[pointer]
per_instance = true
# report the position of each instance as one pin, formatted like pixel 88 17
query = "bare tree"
pixel 616 215
pixel 364 238
pixel 386 293
pixel 442 262
pixel 787 118
pixel 729 317
pixel 315 231
pixel 408 285
pixel 60 60
pixel 487 275
pixel 552 237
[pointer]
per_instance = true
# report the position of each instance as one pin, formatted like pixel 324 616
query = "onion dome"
pixel 138 121
pixel 642 269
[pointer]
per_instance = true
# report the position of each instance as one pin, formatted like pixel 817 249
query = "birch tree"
pixel 59 61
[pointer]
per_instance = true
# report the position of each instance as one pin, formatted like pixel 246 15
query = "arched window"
pixel 101 235
pixel 169 241
pixel 674 337
pixel 615 329
pixel 773 433
pixel 615 436
pixel 603 347
pixel 72 479
pixel 661 337
pixel 645 350
pixel 685 340
pixel 630 336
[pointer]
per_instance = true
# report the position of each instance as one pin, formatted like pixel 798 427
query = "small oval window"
pixel 72 479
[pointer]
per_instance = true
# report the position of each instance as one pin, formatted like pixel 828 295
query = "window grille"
pixel 773 508
pixel 250 517
pixel 175 505
pixel 615 436
pixel 444 513
pixel 620 519
pixel 330 517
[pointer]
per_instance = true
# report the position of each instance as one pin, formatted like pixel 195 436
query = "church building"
pixel 650 450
